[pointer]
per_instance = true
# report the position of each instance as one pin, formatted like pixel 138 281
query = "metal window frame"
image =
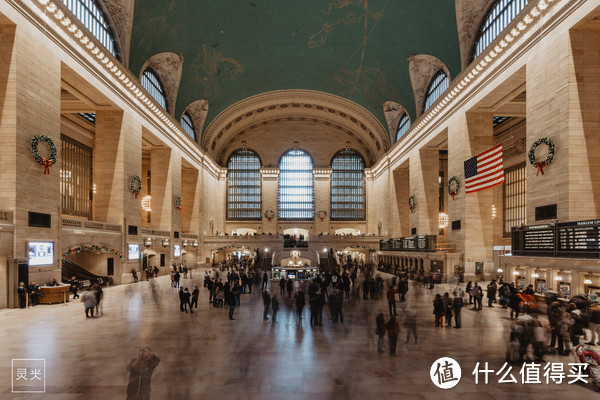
pixel 348 189
pixel 76 193
pixel 403 126
pixel 439 84
pixel 305 208
pixel 244 183
pixel 188 125
pixel 154 86
pixel 91 15
pixel 498 17
pixel 514 198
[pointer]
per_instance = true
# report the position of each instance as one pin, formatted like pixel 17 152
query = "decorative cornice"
pixel 54 18
pixel 486 62
pixel 321 107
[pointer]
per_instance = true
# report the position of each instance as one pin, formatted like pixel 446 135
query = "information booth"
pixel 295 268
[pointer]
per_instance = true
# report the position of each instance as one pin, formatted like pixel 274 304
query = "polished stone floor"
pixel 206 356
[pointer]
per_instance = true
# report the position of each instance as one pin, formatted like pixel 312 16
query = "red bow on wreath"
pixel 137 193
pixel 540 166
pixel 411 208
pixel 47 164
pixel 269 219
pixel 452 194
pixel 179 208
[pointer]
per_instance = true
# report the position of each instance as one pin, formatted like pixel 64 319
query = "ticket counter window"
pixel 520 282
pixel 564 290
pixel 540 286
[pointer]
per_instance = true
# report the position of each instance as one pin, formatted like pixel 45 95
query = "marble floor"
pixel 206 356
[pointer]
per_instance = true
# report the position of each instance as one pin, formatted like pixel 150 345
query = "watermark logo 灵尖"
pixel 28 375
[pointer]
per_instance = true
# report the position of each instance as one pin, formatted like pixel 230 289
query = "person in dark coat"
pixel 403 288
pixel 282 286
pixel 22 293
pixel 230 300
pixel 290 287
pixel 267 305
pixel 515 304
pixel 181 300
pixel 300 301
pixel 140 374
pixel 393 330
pixel 74 286
pixel 335 301
pixel 34 293
pixel 380 331
pixel 438 310
pixel 275 308
pixel 195 295
pixel 265 281
pixel 491 293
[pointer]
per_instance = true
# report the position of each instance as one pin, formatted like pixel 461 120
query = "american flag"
pixel 485 170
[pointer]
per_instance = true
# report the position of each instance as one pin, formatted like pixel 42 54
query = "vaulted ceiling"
pixel 354 49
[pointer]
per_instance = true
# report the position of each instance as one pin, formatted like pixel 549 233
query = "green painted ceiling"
pixel 356 49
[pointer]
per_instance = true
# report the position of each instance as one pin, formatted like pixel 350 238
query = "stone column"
pixel 322 199
pixel 467 137
pixel 424 171
pixel 163 201
pixel 269 198
pixel 399 193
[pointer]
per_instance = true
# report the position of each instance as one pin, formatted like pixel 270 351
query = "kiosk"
pixel 295 268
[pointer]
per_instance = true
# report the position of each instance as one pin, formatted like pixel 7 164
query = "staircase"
pixel 70 269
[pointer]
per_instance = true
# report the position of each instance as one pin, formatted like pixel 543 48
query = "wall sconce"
pixel 535 275
pixel 185 243
pixel 148 242
pixel 165 242
pixel 558 276
pixel 493 211
pixel 195 243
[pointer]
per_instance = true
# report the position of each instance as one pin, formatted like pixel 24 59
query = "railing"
pixel 421 243
pixel 155 232
pixel 447 247
pixel 85 224
pixel 188 236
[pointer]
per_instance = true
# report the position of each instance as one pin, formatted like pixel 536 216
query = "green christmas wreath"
pixel 541 164
pixel 269 215
pixel 412 202
pixel 453 192
pixel 47 163
pixel 135 185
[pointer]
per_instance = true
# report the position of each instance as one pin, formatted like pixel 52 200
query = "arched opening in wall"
pixel 297 232
pixel 153 84
pixel 244 186
pixel 347 232
pixel 438 85
pixel 243 231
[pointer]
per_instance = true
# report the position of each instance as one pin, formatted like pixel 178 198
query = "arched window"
pixel 296 188
pixel 92 17
pixel 347 186
pixel 188 125
pixel 498 17
pixel 403 127
pixel 244 193
pixel 437 87
pixel 151 83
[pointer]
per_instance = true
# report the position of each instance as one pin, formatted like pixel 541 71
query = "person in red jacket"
pixel 391 297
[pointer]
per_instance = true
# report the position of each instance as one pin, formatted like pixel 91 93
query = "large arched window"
pixel 347 186
pixel 437 87
pixel 154 87
pixel 296 188
pixel 403 126
pixel 92 17
pixel 244 192
pixel 498 17
pixel 188 126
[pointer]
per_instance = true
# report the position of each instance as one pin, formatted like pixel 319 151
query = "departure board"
pixel 579 236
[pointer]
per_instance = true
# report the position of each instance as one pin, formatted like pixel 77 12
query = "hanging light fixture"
pixel 500 270
pixel 587 280
pixel 146 200
pixel 443 220
pixel 515 272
